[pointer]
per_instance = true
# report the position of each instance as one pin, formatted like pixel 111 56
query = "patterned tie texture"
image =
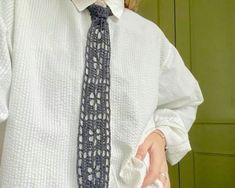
pixel 94 136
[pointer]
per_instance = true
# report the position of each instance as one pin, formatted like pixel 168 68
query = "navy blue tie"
pixel 94 136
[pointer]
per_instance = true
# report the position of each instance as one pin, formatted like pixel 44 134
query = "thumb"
pixel 142 150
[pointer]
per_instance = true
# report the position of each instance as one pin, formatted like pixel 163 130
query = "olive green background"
pixel 204 33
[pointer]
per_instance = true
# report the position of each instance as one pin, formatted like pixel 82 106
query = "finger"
pixel 163 179
pixel 168 184
pixel 154 167
pixel 142 150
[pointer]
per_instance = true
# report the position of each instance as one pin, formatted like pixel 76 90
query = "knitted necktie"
pixel 94 147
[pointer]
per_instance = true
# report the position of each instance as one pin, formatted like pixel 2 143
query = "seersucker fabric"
pixel 94 139
pixel 42 55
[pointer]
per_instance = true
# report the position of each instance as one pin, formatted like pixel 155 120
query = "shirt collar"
pixel 116 6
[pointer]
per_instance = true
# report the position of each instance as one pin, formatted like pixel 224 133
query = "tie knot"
pixel 99 11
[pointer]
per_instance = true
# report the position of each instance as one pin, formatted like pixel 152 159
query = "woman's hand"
pixel 155 145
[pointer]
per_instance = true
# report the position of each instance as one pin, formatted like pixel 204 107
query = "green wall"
pixel 204 33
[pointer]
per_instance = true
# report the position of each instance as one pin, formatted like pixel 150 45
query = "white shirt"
pixel 41 69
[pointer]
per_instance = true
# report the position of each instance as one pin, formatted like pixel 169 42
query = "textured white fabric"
pixel 42 47
pixel 117 6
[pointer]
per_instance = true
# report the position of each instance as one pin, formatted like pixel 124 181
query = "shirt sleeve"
pixel 178 100
pixel 5 72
